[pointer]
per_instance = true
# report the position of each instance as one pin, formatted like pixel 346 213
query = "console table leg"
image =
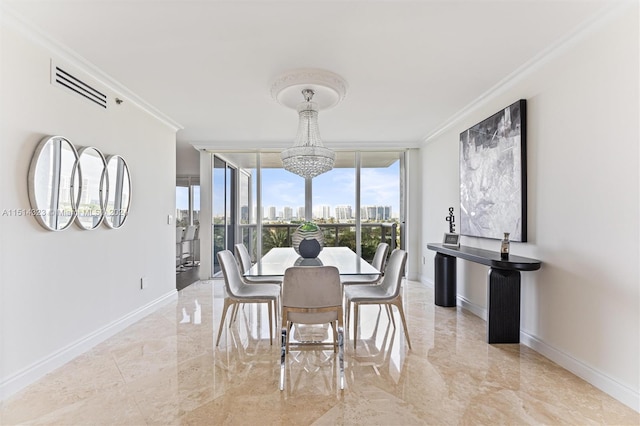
pixel 503 306
pixel 445 280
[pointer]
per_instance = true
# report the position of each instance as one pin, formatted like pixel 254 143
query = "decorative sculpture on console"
pixel 451 219
pixel 451 239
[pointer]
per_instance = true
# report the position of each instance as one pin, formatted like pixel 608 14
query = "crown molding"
pixel 250 146
pixel 606 14
pixel 12 19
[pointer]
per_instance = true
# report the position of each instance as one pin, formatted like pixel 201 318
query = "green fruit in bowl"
pixel 309 226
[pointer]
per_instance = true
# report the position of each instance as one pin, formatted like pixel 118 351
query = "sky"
pixel 337 187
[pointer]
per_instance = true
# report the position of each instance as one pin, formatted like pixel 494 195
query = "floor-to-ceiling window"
pixel 334 202
pixel 225 177
pixel 283 202
pixel 247 229
pixel 381 200
pixel 357 204
pixel 187 201
pixel 187 221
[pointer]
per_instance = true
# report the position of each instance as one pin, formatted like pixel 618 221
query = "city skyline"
pixel 378 186
pixel 369 212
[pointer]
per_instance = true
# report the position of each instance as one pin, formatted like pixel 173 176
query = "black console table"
pixel 503 288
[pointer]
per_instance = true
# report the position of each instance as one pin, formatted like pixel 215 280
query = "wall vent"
pixel 63 78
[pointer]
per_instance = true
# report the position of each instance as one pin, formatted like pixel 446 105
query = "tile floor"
pixel 165 370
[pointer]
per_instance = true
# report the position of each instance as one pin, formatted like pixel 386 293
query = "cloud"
pixel 279 191
pixel 379 187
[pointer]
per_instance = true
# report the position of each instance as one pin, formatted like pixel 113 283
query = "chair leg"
pixel 334 330
pixel 225 307
pixel 341 355
pixel 283 354
pixel 355 323
pixel 286 327
pixel 390 314
pixel 346 315
pixel 234 313
pixel 347 319
pixel 398 303
pixel 270 322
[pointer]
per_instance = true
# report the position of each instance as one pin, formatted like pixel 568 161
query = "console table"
pixel 503 287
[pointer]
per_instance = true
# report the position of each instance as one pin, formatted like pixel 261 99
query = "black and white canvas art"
pixel 493 176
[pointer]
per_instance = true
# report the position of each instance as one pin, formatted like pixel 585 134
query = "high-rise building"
pixel 344 213
pixel 287 213
pixel 322 212
pixel 272 213
pixel 375 213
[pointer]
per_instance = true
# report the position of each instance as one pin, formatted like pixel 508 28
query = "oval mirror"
pixel 54 183
pixel 93 168
pixel 118 192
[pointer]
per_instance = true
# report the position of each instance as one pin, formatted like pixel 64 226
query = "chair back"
pixel 232 279
pixel 312 288
pixel 179 234
pixel 243 257
pixel 190 233
pixel 394 272
pixel 380 257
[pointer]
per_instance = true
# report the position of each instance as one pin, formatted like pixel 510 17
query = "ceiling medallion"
pixel 320 89
pixel 329 88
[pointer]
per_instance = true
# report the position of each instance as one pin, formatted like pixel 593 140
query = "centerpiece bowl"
pixel 308 240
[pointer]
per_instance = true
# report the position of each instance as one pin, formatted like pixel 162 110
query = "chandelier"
pixel 308 157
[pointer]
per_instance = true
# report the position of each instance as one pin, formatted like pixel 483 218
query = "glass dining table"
pixel 278 259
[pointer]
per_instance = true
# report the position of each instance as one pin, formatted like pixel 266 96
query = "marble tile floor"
pixel 165 370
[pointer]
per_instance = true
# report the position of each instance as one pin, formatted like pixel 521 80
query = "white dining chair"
pixel 312 295
pixel 388 292
pixel 237 292
pixel 379 262
pixel 244 263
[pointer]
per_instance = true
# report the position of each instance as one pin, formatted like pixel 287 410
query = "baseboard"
pixel 23 378
pixel 413 277
pixel 424 280
pixel 615 389
pixel 477 310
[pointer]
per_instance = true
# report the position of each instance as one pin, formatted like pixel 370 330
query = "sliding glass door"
pixel 224 185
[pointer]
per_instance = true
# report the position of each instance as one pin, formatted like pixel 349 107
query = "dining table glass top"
pixel 278 259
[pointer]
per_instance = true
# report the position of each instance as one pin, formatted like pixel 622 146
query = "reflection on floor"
pixel 165 370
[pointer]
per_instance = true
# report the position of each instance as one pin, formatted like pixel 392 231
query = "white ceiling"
pixel 208 65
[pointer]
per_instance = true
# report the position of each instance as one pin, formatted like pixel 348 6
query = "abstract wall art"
pixel 493 178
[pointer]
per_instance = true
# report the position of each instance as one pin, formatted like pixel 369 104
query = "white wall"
pixel 582 308
pixel 414 215
pixel 62 292
pixel 187 160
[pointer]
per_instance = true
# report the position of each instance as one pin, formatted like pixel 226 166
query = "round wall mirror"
pixel 93 166
pixel 54 183
pixel 118 193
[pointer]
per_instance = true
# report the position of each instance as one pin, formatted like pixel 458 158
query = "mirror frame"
pixel 107 217
pixel 103 188
pixel 40 212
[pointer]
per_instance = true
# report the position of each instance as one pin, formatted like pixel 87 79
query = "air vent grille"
pixel 68 81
